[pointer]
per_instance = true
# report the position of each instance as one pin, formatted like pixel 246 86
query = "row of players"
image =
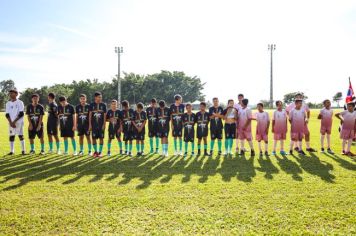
pixel 90 121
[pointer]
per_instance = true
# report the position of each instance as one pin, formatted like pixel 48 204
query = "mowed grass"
pixel 51 194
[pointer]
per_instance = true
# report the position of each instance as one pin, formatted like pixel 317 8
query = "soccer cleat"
pixel 252 152
pixel 343 152
pixel 198 154
pixel 32 152
pixel 296 149
pixel 23 153
pixel 242 152
pixel 95 154
pixel 219 153
pixel 301 152
pixel 322 150
pixel 59 152
pixel 211 153
pixel 50 151
pixel 142 153
pixel 261 154
pixel 100 154
pixel 311 150
pixel 42 152
pixel 291 152
pixel 266 154
pixel 185 154
pixel 180 153
pixel 274 153
pixel 166 154
pixel 81 153
pixel 283 153
pixel 193 154
pixel 157 151
pixel 120 152
pixel 206 153
pixel 10 154
pixel 109 153
pixel 90 153
pixel 65 153
pixel 138 154
pixel 126 152
pixel 330 151
pixel 151 151
pixel 129 154
pixel 75 154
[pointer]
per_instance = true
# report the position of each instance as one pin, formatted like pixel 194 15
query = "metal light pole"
pixel 271 47
pixel 118 50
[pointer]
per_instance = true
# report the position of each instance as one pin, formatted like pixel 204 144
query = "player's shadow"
pixel 343 163
pixel 313 165
pixel 241 167
pixel 267 167
pixel 289 167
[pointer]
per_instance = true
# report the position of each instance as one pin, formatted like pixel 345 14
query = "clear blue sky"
pixel 222 42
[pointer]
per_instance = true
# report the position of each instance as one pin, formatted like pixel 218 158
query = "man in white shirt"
pixel 14 115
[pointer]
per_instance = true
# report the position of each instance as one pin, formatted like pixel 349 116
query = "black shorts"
pixel 67 133
pixel 83 131
pixel 98 134
pixel 152 132
pixel 216 133
pixel 113 135
pixel 33 133
pixel 177 131
pixel 163 132
pixel 52 128
pixel 139 136
pixel 230 130
pixel 128 135
pixel 202 133
pixel 189 135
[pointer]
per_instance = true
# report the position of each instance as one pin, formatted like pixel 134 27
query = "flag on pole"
pixel 350 96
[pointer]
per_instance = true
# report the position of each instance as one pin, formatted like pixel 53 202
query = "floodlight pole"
pixel 118 50
pixel 271 47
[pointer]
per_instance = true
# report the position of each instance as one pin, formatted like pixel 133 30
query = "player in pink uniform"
pixel 305 107
pixel 326 117
pixel 279 127
pixel 297 119
pixel 348 129
pixel 244 127
pixel 238 106
pixel 263 123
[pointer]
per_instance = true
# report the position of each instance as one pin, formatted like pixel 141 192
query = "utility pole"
pixel 118 50
pixel 271 47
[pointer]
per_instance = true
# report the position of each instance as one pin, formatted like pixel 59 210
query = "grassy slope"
pixel 65 195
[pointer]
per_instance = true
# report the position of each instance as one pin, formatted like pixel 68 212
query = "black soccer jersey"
pixel 151 117
pixel 127 117
pixel 35 112
pixel 97 114
pixel 177 112
pixel 52 113
pixel 114 118
pixel 202 119
pixel 216 123
pixel 65 115
pixel 83 115
pixel 163 116
pixel 139 118
pixel 188 121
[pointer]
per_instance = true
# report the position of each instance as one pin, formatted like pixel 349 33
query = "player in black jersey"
pixel 114 117
pixel 52 123
pixel 163 116
pixel 152 124
pixel 216 125
pixel 35 113
pixel 177 110
pixel 139 123
pixel 128 115
pixel 97 122
pixel 82 110
pixel 189 121
pixel 202 118
pixel 67 123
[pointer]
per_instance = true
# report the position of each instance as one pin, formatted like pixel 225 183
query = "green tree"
pixel 5 86
pixel 290 97
pixel 337 98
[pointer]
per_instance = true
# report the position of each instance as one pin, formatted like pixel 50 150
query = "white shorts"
pixel 16 131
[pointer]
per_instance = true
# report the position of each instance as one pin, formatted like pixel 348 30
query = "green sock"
pixel 205 147
pixel 180 144
pixel 32 146
pixel 157 143
pixel 219 144
pixel 58 144
pixel 142 147
pixel 175 144
pixel 199 147
pixel 126 147
pixel 120 145
pixel 65 146
pixel 151 144
pixel 50 144
pixel 130 147
pixel 186 146
pixel 109 147
pixel 193 146
pixel 81 146
pixel 74 145
pixel 137 147
pixel 95 147
pixel 101 148
pixel 212 143
pixel 89 147
pixel 231 142
pixel 226 145
pixel 42 146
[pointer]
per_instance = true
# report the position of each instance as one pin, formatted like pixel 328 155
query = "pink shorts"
pixel 280 136
pixel 306 130
pixel 245 135
pixel 325 129
pixel 347 134
pixel 260 137
pixel 297 136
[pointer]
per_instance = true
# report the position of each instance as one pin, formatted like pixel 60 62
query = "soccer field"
pixel 51 194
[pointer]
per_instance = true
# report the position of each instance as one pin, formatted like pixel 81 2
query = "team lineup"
pixel 91 121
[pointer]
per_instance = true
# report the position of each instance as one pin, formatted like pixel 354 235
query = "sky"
pixel 224 43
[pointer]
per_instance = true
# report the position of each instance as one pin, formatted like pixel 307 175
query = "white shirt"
pixel 13 108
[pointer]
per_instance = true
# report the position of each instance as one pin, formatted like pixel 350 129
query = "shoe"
pixel 242 152
pixel 126 152
pixel 157 150
pixel 23 153
pixel 10 154
pixel 138 154
pixel 261 154
pixel 95 154
pixel 81 153
pixel 32 152
pixel 296 149
pixel 311 150
pixel 252 153
pixel 75 154
pixel 151 151
pixel 129 154
pixel 50 151
pixel 198 153
pixel 266 154
pixel 185 154
pixel 291 152
pixel 301 152
pixel 211 153
pixel 65 153
pixel 283 153
pixel 142 153
pixel 108 154
pixel 274 153
pixel 120 152
pixel 175 153
pixel 42 152
pixel 322 150
pixel 180 153
pixel 344 152
pixel 166 154
pixel 99 154
pixel 330 151
pixel 59 152
pixel 219 153
pixel 90 153
pixel 206 153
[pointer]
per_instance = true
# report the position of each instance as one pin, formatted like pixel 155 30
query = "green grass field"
pixel 51 194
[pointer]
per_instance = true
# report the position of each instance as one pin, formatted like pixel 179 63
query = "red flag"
pixel 350 93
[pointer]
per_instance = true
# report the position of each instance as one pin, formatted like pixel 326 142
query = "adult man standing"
pixel 14 115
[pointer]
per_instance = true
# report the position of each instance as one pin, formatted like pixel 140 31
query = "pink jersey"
pixel 280 122
pixel 262 119
pixel 244 115
pixel 349 120
pixel 326 120
pixel 297 118
pixel 291 106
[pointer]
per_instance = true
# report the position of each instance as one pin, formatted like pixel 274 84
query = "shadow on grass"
pixel 152 168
